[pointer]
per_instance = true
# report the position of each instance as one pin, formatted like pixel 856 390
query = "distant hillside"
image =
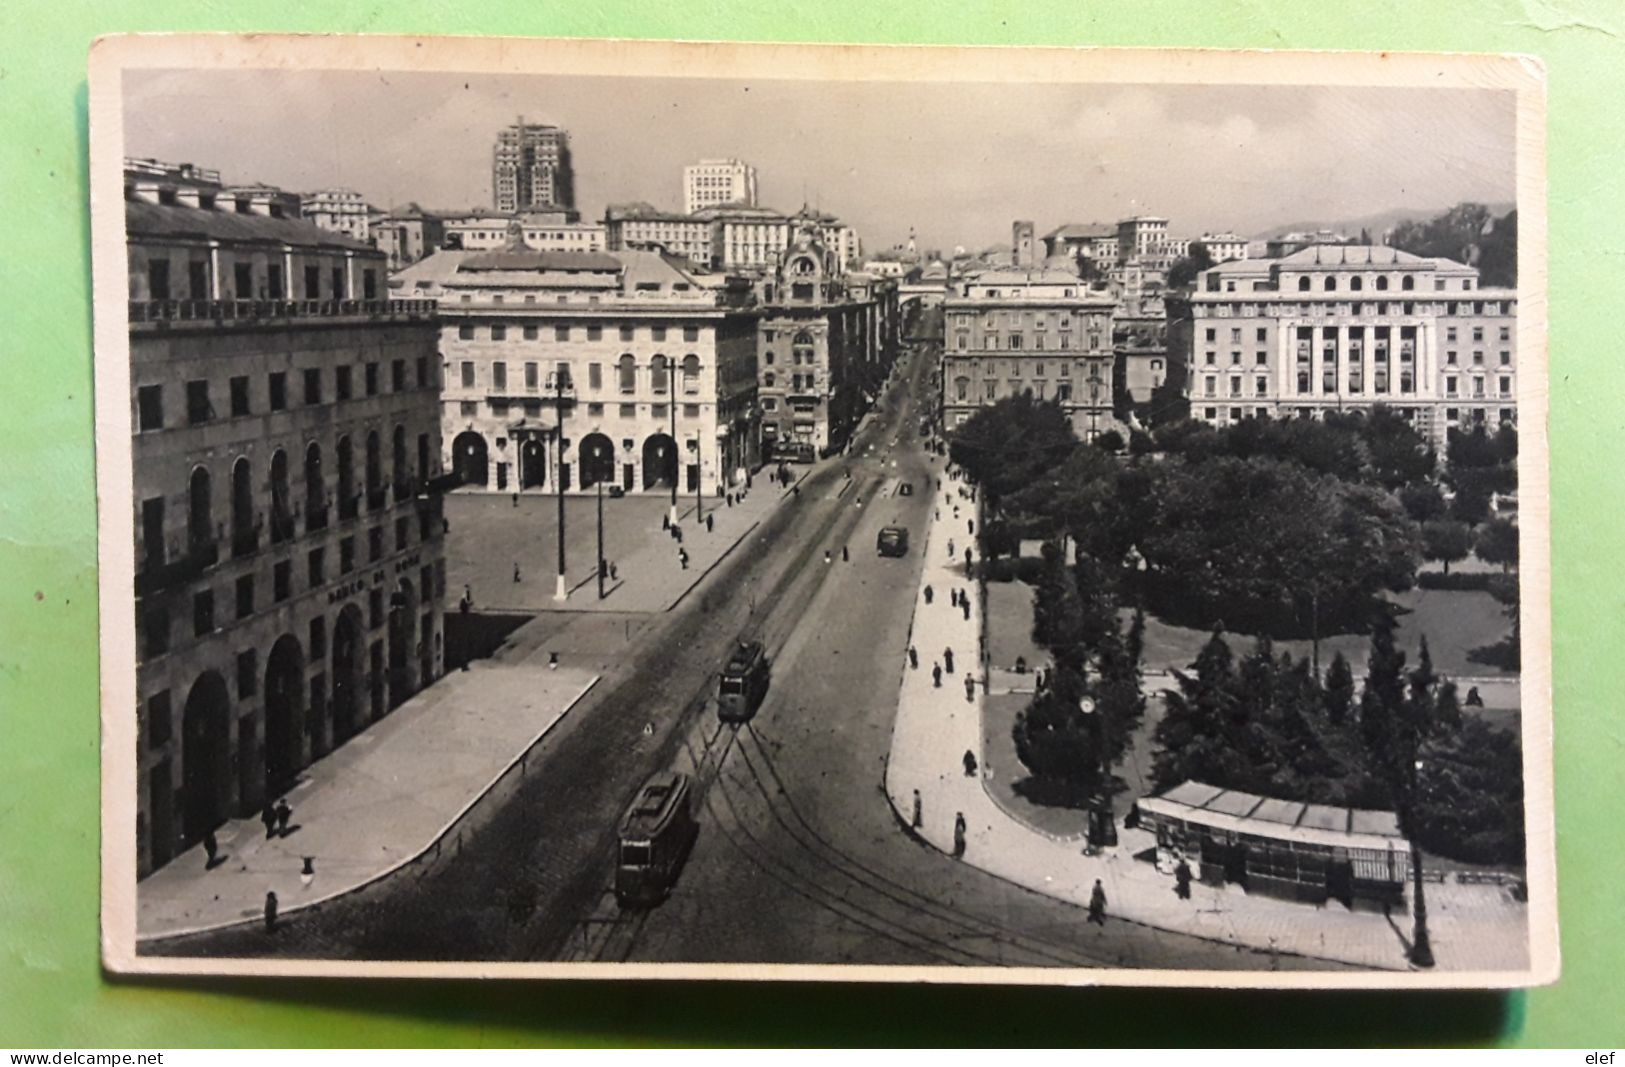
pixel 1376 223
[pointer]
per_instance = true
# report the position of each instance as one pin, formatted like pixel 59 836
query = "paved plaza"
pixel 1474 927
pixel 378 802
pixel 493 535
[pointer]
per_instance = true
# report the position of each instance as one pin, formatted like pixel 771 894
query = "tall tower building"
pixel 530 168
pixel 1021 243
pixel 718 181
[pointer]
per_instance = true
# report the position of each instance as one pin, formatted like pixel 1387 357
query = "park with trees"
pixel 1267 536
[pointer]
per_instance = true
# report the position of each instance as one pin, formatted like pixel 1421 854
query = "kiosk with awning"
pixel 1288 848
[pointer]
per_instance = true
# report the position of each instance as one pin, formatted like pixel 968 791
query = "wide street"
pixel 799 858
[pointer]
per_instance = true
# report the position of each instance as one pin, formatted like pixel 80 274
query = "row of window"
pixel 469 409
pixel 1300 309
pixel 1038 390
pixel 498 331
pixel 249 284
pixel 200 409
pixel 1329 284
pixel 660 372
pixel 1477 416
pixel 1017 367
pixel 247 518
pixel 157 626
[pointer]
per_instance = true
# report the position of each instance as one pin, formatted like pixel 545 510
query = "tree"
pixel 1184 271
pixel 1423 501
pixel 1446 541
pixel 1457 234
pixel 1006 446
pixel 1498 253
pixel 1497 544
pixel 1058 743
pixel 1140 443
pixel 1192 737
pixel 1109 441
pixel 1397 455
pixel 1339 689
pixel 1058 618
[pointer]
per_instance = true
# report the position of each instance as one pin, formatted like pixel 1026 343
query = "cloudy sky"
pixel 955 162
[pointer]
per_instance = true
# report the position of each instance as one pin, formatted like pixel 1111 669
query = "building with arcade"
pixel 288 541
pixel 564 370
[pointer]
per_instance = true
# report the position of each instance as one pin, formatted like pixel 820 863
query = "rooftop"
pixel 142 219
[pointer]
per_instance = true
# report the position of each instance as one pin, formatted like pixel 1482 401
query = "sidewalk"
pixel 490 534
pixel 1474 928
pixel 375 803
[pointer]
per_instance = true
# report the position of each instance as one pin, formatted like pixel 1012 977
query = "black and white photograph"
pixel 653 510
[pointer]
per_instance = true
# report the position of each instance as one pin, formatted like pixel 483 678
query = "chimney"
pixel 259 203
pixel 146 192
pixel 188 196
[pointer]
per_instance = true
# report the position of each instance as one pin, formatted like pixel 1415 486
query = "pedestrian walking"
pixel 936 683
pixel 516 500
pixel 964 606
pixel 959 834
pixel 951 552
pixel 948 660
pixel 928 594
pixel 677 532
pixel 970 764
pixel 283 814
pixel 967 559
pixel 1182 880
pixel 970 526
pixel 211 848
pixel 1473 699
pixel 516 574
pixel 665 522
pixel 1097 904
pixel 710 523
pixel 270 913
pixel 468 594
pixel 917 821
pixel 913 658
pixel 846 554
pixel 268 817
pixel 970 688
pixel 682 557
pixel 826 555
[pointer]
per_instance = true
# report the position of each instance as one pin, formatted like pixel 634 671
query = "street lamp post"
pixel 599 451
pixel 676 461
pixel 1421 953
pixel 560 376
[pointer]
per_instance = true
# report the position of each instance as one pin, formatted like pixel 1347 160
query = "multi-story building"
pixel 1140 356
pixel 711 182
pixel 288 543
pixel 258 199
pixel 1140 236
pixel 339 210
pixel 826 339
pixel 756 238
pixel 641 225
pixel 531 168
pixel 1224 247
pixel 406 234
pixel 567 369
pixel 1010 332
pixel 1349 327
pixel 544 231
pixel 1023 249
pixel 1093 241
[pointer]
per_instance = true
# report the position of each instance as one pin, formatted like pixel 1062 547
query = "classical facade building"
pixel 718 181
pixel 1224 247
pixel 406 234
pixel 826 340
pixel 641 225
pixel 567 369
pixel 339 210
pixel 1010 332
pixel 543 231
pixel 1140 236
pixel 1348 327
pixel 531 168
pixel 288 543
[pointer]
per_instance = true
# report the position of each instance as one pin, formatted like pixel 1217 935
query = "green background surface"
pixel 52 992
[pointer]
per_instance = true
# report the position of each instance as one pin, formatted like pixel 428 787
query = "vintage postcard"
pixel 636 509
